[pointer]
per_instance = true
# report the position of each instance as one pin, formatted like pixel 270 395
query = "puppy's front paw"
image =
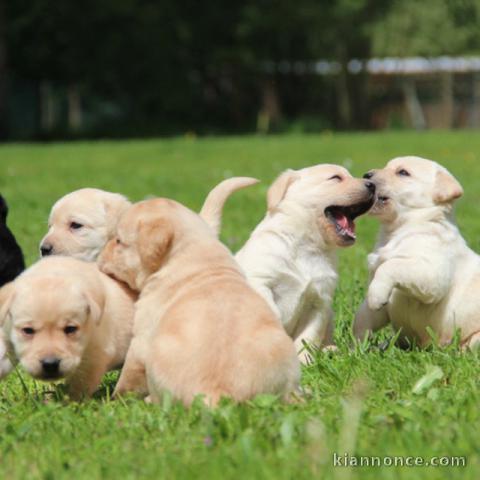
pixel 378 296
pixel 5 367
pixel 5 363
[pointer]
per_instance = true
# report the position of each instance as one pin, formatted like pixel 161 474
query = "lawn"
pixel 360 400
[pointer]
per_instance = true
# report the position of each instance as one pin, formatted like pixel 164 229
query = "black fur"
pixel 11 256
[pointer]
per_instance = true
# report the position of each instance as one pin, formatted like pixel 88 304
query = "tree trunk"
pixel 47 107
pixel 476 100
pixel 344 104
pixel 447 99
pixel 270 113
pixel 414 108
pixel 3 75
pixel 74 108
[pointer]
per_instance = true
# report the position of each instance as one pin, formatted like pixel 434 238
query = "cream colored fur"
pixel 290 258
pixel 423 275
pixel 82 222
pixel 199 328
pixel 61 293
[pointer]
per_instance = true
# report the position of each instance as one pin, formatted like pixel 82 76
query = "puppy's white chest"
pixel 318 273
pixel 310 288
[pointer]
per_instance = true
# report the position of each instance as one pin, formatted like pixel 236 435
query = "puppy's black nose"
pixel 50 366
pixel 46 249
pixel 370 186
pixel 369 175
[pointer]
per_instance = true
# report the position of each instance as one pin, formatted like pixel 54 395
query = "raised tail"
pixel 212 208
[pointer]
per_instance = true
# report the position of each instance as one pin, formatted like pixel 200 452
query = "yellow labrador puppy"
pixel 64 319
pixel 290 258
pixel 199 328
pixel 422 272
pixel 81 223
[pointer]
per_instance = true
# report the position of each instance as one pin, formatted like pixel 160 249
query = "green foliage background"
pixel 144 68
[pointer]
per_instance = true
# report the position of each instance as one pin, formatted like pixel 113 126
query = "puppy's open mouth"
pixel 343 217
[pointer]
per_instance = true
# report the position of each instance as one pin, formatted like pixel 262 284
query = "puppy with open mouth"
pixel 199 328
pixel 290 258
pixel 65 320
pixel 422 274
pixel 82 222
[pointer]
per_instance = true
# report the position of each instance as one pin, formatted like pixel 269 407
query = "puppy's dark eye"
pixel 70 329
pixel 336 177
pixel 117 241
pixel 28 331
pixel 75 225
pixel 403 173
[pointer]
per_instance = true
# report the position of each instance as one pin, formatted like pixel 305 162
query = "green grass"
pixel 359 400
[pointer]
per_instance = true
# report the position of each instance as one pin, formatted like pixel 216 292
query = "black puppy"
pixel 11 256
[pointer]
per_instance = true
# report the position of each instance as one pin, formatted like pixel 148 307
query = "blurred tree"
pixel 271 33
pixel 276 32
pixel 164 66
pixel 346 33
pixel 180 63
pixel 429 28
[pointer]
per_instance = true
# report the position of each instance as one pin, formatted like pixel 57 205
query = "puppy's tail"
pixel 212 208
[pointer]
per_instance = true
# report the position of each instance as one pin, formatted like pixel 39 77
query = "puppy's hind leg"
pixel 472 342
pixel 132 377
pixel 368 321
pixel 317 333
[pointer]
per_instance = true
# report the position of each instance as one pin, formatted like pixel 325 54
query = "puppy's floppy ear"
pixel 115 205
pixel 154 241
pixel 279 187
pixel 96 302
pixel 447 188
pixel 7 294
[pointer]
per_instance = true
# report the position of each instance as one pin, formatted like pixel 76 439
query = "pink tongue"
pixel 345 223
